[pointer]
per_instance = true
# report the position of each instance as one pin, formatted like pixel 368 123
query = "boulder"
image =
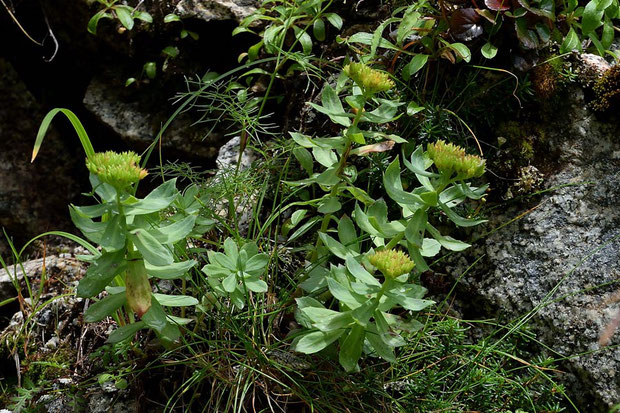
pixel 562 258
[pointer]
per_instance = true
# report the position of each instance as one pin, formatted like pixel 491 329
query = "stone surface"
pixel 208 10
pixel 563 257
pixel 32 268
pixel 228 156
pixel 137 119
pixel 590 67
pixel 111 403
pixel 33 197
pixel 227 159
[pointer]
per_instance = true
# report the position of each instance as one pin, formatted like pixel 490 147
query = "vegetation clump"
pixel 359 213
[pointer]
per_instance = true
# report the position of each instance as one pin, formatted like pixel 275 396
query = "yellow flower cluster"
pixel 370 80
pixel 392 263
pixel 450 158
pixel 117 169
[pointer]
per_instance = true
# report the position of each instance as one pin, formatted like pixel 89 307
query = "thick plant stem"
pixel 394 241
pixel 347 150
pixel 138 288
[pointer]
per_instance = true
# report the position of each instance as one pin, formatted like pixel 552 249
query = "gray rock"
pixel 110 403
pixel 70 268
pixel 32 268
pixel 138 118
pixel 563 258
pixel 208 10
pixel 33 197
pixel 228 156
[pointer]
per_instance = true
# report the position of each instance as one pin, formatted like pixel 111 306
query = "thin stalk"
pixel 341 165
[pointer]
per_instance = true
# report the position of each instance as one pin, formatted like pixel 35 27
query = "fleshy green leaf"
pixel 488 50
pixel 175 300
pixel 334 246
pixel 394 187
pixel 316 341
pixel 169 272
pixel 459 220
pixel 155 317
pixel 347 234
pixel 125 332
pixel 91 230
pixel 318 29
pixel 360 273
pixel 415 65
pixel 342 294
pixel 257 263
pixel 592 17
pixel 351 349
pixel 113 238
pixel 103 308
pixel 100 273
pixel 151 249
pixel 169 18
pixel 230 283
pixel 159 199
pixel 447 242
pixel 174 232
pixel 304 158
pixel 334 19
pixel 124 16
pixel 383 350
pixel 94 21
pixel 329 205
pixel 256 285
pixel 571 42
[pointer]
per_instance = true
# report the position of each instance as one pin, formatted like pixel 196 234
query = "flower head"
pixel 370 80
pixel 450 158
pixel 117 169
pixel 392 263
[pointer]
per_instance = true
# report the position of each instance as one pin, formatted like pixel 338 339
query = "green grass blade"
pixel 67 235
pixel 77 125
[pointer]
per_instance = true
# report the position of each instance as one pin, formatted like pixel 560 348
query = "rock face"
pixel 563 258
pixel 138 118
pixel 216 9
pixel 33 197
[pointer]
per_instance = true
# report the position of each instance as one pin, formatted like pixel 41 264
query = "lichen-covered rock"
pixel 562 259
pixel 208 10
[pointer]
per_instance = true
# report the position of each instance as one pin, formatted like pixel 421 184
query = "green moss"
pixel 607 91
pixel 527 150
pixel 40 366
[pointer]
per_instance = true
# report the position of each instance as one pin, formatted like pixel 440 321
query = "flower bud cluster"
pixel 392 263
pixel 450 158
pixel 117 169
pixel 370 80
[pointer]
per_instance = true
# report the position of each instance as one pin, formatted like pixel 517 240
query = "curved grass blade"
pixel 77 125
